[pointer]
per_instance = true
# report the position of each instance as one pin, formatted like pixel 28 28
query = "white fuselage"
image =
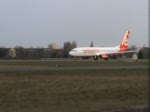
pixel 93 51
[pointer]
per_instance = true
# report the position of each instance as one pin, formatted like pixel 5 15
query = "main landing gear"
pixel 95 58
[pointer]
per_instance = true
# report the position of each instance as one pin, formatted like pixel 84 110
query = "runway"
pixel 31 68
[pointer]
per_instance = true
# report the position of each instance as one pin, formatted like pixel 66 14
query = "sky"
pixel 37 23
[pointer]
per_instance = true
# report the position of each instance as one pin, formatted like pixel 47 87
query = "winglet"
pixel 142 49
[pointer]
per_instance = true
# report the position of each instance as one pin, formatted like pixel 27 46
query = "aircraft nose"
pixel 70 53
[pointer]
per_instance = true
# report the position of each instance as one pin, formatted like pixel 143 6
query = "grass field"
pixel 69 63
pixel 73 91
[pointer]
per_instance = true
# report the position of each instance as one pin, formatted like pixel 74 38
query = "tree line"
pixel 36 53
pixel 53 52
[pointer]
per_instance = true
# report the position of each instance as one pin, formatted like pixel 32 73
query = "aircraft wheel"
pixel 95 58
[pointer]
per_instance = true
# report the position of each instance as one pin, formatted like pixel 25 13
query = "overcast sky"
pixel 41 22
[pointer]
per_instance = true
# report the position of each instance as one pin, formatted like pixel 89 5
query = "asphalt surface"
pixel 31 68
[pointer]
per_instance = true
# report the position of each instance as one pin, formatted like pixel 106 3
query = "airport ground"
pixel 83 90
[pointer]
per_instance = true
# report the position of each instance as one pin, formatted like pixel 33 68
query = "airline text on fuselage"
pixel 90 51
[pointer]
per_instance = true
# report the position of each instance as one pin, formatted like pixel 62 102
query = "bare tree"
pixel 68 46
pixel 74 44
pixel 92 45
pixel 19 51
pixel 3 52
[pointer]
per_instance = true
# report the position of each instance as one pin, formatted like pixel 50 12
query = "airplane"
pixel 103 52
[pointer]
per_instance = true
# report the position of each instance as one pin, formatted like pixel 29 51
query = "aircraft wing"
pixel 131 51
pixel 125 52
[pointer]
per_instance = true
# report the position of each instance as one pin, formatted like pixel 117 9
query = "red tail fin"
pixel 124 43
